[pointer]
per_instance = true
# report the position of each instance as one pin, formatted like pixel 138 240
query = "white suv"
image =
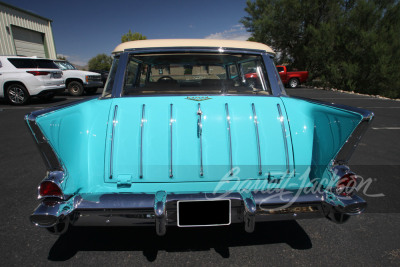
pixel 24 77
pixel 78 81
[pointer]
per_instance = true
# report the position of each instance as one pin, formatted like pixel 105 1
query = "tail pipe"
pixel 52 215
pixel 339 208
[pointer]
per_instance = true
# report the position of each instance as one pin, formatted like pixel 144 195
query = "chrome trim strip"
pixel 200 136
pixel 228 119
pixel 193 49
pixel 170 123
pixel 273 76
pixel 112 140
pixel 120 75
pixel 141 142
pixel 282 119
pixel 257 138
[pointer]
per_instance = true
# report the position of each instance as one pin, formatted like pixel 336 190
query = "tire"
pixel 17 94
pixel 91 91
pixel 293 83
pixel 47 97
pixel 75 88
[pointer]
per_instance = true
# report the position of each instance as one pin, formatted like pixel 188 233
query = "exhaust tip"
pixel 355 209
pixel 43 220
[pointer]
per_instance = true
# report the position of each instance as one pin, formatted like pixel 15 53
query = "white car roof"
pixel 159 43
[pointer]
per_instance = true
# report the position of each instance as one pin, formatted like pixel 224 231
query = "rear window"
pixel 29 63
pixel 195 73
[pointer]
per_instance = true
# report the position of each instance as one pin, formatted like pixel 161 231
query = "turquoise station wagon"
pixel 180 137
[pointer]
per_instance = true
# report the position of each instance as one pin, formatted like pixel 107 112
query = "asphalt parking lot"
pixel 370 239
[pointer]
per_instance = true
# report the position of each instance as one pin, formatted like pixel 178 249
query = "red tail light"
pixel 346 185
pixel 50 189
pixel 39 73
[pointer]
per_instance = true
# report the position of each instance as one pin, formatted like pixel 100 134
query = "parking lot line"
pixel 385 128
pixel 379 107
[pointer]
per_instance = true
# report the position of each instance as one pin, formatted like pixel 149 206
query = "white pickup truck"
pixel 79 81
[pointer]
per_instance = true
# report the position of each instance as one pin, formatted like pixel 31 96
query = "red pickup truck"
pixel 292 78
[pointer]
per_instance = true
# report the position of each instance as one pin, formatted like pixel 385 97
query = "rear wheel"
pixel 91 91
pixel 293 83
pixel 17 94
pixel 75 88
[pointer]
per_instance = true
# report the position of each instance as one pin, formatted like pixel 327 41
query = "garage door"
pixel 28 43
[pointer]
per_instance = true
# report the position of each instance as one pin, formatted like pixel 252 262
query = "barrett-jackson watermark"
pixel 287 191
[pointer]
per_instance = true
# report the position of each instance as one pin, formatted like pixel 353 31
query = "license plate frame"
pixel 56 75
pixel 202 211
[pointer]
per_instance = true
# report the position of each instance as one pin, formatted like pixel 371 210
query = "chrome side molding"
pixel 160 211
pixel 282 119
pixel 141 142
pixel 112 140
pixel 228 119
pixel 257 138
pixel 200 136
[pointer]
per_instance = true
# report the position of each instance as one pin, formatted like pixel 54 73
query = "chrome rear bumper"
pixel 160 209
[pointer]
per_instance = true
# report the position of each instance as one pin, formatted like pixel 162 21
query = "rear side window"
pixel 28 63
pixel 45 64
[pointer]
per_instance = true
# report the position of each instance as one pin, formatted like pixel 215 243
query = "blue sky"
pixel 83 29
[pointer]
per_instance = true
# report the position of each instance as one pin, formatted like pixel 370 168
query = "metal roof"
pixel 164 43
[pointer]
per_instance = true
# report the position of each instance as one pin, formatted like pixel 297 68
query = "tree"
pixel 100 62
pixel 132 37
pixel 61 57
pixel 348 44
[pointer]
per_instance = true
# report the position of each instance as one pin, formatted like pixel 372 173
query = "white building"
pixel 24 33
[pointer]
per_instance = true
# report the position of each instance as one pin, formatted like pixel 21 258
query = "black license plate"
pixel 204 213
pixel 57 75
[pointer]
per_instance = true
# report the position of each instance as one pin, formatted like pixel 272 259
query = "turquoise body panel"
pixel 186 143
pixel 318 133
pixel 81 136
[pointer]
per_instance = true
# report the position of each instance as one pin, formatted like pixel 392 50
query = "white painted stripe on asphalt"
pixel 385 128
pixel 337 98
pixel 17 108
pixel 379 107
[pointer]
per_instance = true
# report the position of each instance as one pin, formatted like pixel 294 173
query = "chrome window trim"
pixel 273 78
pixel 193 49
pixel 266 58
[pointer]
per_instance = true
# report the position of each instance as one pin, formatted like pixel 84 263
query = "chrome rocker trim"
pixel 160 208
